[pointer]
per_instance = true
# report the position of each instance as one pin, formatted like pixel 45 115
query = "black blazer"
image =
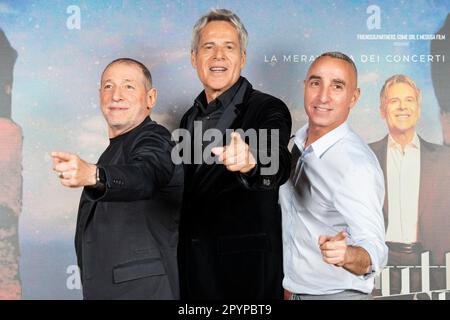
pixel 230 231
pixel 126 238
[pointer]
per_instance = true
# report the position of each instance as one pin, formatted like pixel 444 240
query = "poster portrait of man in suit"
pixel 416 208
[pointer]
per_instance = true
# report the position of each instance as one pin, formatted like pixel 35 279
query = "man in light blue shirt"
pixel 333 229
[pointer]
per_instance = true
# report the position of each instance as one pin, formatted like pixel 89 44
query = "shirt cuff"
pixel 374 267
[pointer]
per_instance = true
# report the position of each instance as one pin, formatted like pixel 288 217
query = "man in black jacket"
pixel 230 228
pixel 127 229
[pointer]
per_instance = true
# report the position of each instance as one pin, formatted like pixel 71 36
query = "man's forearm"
pixel 357 261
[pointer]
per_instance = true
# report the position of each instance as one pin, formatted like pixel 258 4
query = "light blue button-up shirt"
pixel 337 186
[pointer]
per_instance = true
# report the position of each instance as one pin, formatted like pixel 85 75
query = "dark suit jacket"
pixel 230 231
pixel 126 238
pixel 434 197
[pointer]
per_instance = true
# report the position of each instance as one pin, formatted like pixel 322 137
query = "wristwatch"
pixel 100 177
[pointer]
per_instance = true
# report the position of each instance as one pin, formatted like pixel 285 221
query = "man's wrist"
pixel 98 178
pixel 91 177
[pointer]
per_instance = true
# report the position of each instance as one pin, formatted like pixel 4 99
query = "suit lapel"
pixel 232 111
pixel 427 157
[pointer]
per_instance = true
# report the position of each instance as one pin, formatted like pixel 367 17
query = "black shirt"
pixel 210 113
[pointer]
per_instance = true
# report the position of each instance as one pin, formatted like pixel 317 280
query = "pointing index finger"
pixel 340 236
pixel 65 156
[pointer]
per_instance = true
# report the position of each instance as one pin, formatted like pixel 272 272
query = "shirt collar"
pixel 224 99
pixel 323 143
pixel 415 142
pixel 122 136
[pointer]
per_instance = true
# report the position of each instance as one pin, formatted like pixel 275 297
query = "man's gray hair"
pixel 219 15
pixel 398 78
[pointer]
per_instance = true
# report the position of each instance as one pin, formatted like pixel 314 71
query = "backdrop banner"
pixel 52 54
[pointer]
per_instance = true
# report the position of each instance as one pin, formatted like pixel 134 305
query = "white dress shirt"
pixel 337 186
pixel 403 179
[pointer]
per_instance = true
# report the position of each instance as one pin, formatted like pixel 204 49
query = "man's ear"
pixel 152 96
pixel 383 110
pixel 355 97
pixel 193 59
pixel 243 59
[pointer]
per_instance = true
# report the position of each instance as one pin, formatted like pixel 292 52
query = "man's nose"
pixel 218 53
pixel 324 95
pixel 117 94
